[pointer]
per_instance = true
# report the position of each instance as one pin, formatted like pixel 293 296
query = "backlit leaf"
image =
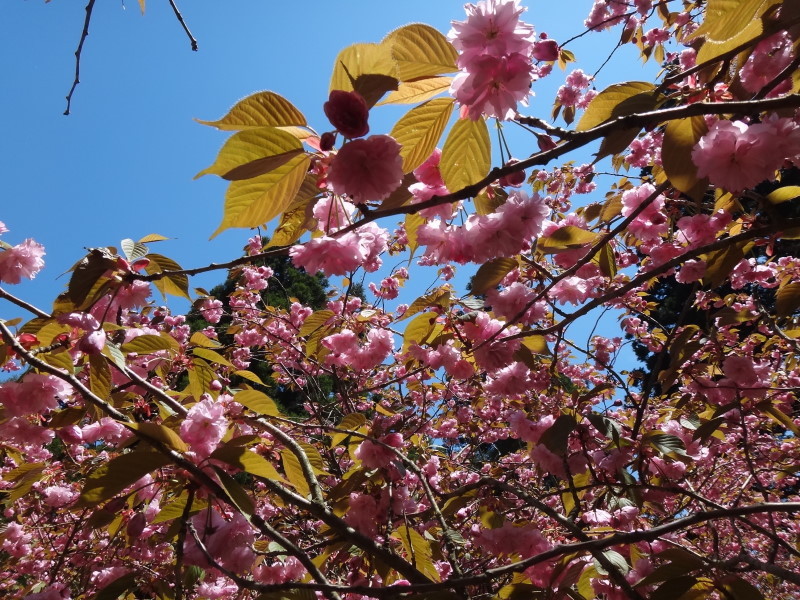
pixel 673 589
pixel 680 136
pixel 249 375
pixel 618 100
pixel 254 202
pixel 111 478
pixel 420 330
pixel 149 343
pixel 152 237
pixel 418 90
pixel 257 402
pixel 212 356
pixel 729 24
pixel 351 422
pixel 418 551
pixel 159 433
pixel 99 376
pixel 466 155
pixel 248 461
pixel 421 51
pixel 556 436
pixel 568 237
pixel 419 130
pixel 314 321
pixel 251 153
pixel 263 109
pixel 294 473
pixel 176 284
pixel 176 508
pixel 491 274
pixel 440 297
pixel 784 194
pixel 133 250
pixel 241 499
pixel 361 59
pixel 412 224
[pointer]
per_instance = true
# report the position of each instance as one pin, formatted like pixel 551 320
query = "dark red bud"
pixel 348 112
pixel 327 140
pixel 545 142
pixel 545 50
pixel 512 179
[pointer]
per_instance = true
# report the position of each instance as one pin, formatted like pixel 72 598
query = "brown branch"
pixel 179 16
pixel 84 35
pixel 22 304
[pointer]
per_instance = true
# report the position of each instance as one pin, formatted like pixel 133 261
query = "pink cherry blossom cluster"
pixel 495 60
pixel 503 233
pixel 735 155
pixel 19 262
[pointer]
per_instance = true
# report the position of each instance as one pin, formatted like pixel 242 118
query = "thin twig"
pixel 84 35
pixel 179 16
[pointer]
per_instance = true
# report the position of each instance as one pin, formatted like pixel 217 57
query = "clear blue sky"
pixel 121 165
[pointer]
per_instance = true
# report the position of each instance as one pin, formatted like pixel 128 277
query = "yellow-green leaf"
pixel 110 479
pixel 141 5
pixel 421 329
pixel 159 433
pixel 250 376
pixel 99 376
pixel 294 473
pixel 176 508
pixel 568 237
pixel 492 273
pixel 440 297
pixel 413 222
pixel 787 299
pixel 148 343
pixel 176 284
pixel 421 51
pixel 680 137
pixel 419 130
pixel 784 194
pixel 241 499
pixel 251 153
pixel 152 237
pixel 617 100
pixel 314 321
pixel 263 109
pixel 418 551
pixel 418 90
pixel 361 59
pixel 254 202
pixel 212 356
pixel 351 422
pixel 200 377
pixel 248 461
pixel 257 402
pixel 467 154
pixel 200 339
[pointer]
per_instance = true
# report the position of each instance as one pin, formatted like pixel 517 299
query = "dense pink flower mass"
pixel 735 155
pixel 495 59
pixel 348 112
pixel 367 169
pixel 21 261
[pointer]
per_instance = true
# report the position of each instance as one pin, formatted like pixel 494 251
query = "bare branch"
pixel 84 35
pixel 179 16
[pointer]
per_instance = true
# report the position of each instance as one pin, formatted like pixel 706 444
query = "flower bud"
pixel 136 525
pixel 348 112
pixel 327 140
pixel 545 50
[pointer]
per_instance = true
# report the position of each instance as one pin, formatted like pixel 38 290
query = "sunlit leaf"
pixel 99 376
pixel 254 202
pixel 212 356
pixel 418 551
pixel 176 508
pixel 251 153
pixel 133 250
pixel 159 433
pixel 351 422
pixel 418 90
pixel 241 499
pixel 564 238
pixel 783 194
pixel 248 461
pixel 440 297
pixel 421 329
pixel 257 402
pixel 149 343
pixel 466 155
pixel 680 136
pixel 419 130
pixel 361 59
pixel 315 320
pixel 294 473
pixel 263 109
pixel 111 478
pixel 176 284
pixel 491 274
pixel 421 51
pixel 152 237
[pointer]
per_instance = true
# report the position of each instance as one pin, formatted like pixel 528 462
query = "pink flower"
pixel 367 169
pixel 735 156
pixel 204 426
pixel 428 172
pixel 58 496
pixel 375 456
pixel 332 213
pixel 211 309
pixel 768 59
pixel 348 112
pixel 492 27
pixel 22 260
pixel 342 254
pixel 493 86
pixel 41 393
